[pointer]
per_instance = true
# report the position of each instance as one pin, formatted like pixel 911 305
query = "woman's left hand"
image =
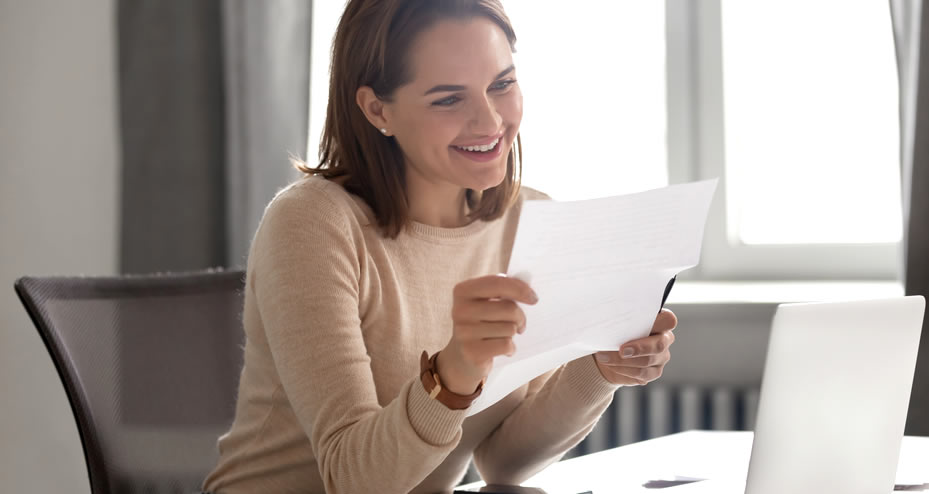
pixel 641 361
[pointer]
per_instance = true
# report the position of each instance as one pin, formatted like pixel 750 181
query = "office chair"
pixel 150 365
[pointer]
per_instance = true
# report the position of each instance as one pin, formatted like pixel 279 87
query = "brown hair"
pixel 370 48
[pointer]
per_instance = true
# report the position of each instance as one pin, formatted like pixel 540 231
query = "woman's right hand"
pixel 485 319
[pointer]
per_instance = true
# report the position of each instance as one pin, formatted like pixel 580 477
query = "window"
pixel 797 111
pixel 810 107
pixel 793 104
pixel 589 129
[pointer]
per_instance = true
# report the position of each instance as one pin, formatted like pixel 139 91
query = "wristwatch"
pixel 437 392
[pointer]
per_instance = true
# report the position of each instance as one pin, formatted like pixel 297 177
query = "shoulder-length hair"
pixel 371 48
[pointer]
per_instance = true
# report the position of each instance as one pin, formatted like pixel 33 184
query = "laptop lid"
pixel 834 396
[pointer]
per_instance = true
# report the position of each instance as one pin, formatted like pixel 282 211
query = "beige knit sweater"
pixel 336 317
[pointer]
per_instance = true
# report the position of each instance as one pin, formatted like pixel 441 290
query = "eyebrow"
pixel 442 88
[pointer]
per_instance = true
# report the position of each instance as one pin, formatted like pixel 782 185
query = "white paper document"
pixel 599 267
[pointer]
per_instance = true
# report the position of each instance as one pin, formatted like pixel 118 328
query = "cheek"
pixel 441 130
pixel 426 134
pixel 511 108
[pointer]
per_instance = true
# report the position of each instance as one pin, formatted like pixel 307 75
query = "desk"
pixel 720 457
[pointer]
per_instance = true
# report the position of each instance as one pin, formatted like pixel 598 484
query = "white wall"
pixel 58 213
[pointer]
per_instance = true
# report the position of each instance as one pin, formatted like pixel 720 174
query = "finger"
pixel 485 330
pixel 650 345
pixel 666 321
pixel 496 346
pixel 477 311
pixel 613 359
pixel 496 286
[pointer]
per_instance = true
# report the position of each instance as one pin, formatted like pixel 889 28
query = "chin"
pixel 488 179
pixel 481 176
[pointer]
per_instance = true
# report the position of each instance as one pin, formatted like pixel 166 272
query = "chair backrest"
pixel 150 365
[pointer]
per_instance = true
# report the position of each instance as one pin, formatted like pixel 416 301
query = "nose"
pixel 485 120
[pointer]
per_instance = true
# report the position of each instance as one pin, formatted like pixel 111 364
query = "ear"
pixel 372 107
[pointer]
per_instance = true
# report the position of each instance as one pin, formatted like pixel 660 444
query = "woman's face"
pixel 458 117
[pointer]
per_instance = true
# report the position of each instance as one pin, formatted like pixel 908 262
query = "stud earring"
pixel 384 131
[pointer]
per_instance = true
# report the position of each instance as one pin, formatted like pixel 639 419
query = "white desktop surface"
pixel 717 456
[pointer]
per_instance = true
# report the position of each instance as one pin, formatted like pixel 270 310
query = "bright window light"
pixel 812 149
pixel 593 82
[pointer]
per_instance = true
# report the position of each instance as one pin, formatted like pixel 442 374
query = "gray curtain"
pixel 911 34
pixel 213 100
pixel 267 107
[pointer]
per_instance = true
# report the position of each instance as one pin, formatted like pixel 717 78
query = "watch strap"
pixel 433 385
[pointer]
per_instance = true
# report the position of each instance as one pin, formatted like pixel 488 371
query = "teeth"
pixel 482 149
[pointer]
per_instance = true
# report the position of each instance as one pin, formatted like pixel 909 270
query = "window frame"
pixel 696 150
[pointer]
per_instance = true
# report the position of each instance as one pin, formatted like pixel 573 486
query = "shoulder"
pixel 311 229
pixel 510 217
pixel 530 194
pixel 526 194
pixel 316 201
pixel 309 214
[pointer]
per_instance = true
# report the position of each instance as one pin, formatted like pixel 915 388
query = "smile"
pixel 482 153
pixel 482 148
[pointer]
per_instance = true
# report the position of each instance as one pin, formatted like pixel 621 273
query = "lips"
pixel 481 147
pixel 488 150
pixel 482 141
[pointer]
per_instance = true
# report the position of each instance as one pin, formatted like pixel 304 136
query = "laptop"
pixel 834 397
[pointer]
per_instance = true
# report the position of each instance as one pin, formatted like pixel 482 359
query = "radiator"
pixel 640 413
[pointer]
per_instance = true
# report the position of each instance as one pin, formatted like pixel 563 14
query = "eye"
pixel 502 85
pixel 449 101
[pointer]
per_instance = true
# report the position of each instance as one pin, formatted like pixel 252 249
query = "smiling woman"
pixel 444 131
pixel 436 88
pixel 374 307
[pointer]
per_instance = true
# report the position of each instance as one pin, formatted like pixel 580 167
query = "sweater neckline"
pixel 447 235
pixel 419 230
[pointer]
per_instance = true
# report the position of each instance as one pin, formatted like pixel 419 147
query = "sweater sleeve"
pixel 560 409
pixel 305 272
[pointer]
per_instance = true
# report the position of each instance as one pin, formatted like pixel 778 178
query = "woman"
pixel 387 254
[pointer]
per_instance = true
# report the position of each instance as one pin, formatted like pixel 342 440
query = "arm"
pixel 559 410
pixel 305 276
pixel 567 406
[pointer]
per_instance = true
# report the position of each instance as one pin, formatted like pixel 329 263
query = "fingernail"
pixel 602 357
pixel 533 298
pixel 628 352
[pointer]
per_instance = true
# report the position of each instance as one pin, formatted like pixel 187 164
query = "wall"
pixel 58 213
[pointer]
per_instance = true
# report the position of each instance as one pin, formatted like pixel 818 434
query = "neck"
pixel 441 205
